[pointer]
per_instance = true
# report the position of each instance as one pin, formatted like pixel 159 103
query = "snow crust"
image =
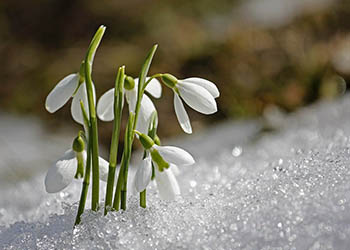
pixel 286 189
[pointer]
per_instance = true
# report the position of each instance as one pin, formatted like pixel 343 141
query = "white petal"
pixel 61 92
pixel 208 85
pixel 197 97
pixel 144 118
pixel 61 174
pixel 154 88
pixel 175 155
pixel 167 184
pixel 143 175
pixel 81 94
pixel 181 115
pixel 175 169
pixel 131 97
pixel 103 167
pixel 105 106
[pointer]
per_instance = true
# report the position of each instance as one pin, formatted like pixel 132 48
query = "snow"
pixel 286 189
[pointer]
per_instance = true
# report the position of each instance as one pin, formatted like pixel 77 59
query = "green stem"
pixel 150 79
pixel 85 188
pixel 129 138
pixel 152 131
pixel 92 113
pixel 143 199
pixel 118 106
pixel 141 85
pixel 120 195
pixel 117 194
pixel 86 181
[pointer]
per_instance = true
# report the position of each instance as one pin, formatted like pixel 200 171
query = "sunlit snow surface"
pixel 287 189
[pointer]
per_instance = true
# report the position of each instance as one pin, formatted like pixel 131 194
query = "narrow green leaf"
pixel 146 65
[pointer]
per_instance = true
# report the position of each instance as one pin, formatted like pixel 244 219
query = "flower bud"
pixel 158 159
pixel 145 140
pixel 129 83
pixel 78 144
pixel 169 80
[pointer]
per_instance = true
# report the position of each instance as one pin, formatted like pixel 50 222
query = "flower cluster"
pixel 160 163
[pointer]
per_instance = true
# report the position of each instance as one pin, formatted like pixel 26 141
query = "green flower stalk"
pixel 118 106
pixel 140 92
pixel 86 181
pixel 152 133
pixel 121 189
pixel 92 115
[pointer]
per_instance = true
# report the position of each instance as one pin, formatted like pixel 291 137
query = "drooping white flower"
pixel 165 159
pixel 174 155
pixel 69 87
pixel 143 174
pixel 167 184
pixel 62 172
pixel 105 104
pixel 198 93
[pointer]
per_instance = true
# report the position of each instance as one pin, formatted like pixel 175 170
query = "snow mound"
pixel 287 189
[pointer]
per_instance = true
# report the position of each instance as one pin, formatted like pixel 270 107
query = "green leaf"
pixel 95 42
pixel 145 67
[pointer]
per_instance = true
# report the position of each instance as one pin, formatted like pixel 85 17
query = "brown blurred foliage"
pixel 288 62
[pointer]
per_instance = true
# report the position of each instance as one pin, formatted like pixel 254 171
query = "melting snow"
pixel 287 189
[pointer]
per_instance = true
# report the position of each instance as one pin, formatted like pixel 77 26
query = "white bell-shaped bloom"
pixel 174 155
pixel 167 184
pixel 154 87
pixel 81 94
pixel 143 174
pixel 69 87
pixel 62 172
pixel 61 93
pixel 166 159
pixel 105 105
pixel 182 115
pixel 166 181
pixel 197 93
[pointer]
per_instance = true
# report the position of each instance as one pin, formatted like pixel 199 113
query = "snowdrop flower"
pixel 198 93
pixel 72 85
pixel 71 165
pixel 105 104
pixel 165 159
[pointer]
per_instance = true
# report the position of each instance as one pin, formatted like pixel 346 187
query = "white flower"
pixel 165 178
pixel 167 184
pixel 62 172
pixel 197 93
pixel 143 174
pixel 69 87
pixel 105 104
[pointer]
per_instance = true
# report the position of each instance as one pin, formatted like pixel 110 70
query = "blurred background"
pixel 260 53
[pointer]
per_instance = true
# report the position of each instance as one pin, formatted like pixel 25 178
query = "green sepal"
pixel 158 159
